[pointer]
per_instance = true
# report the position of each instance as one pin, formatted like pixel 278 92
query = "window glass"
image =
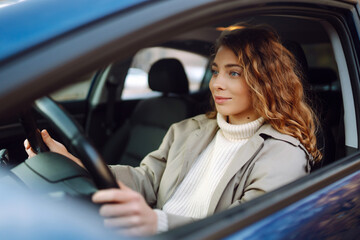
pixel 136 82
pixel 320 55
pixel 76 91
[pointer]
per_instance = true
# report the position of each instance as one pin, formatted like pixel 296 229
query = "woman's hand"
pixel 126 211
pixel 53 145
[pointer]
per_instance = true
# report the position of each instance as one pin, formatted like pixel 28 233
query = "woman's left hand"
pixel 127 211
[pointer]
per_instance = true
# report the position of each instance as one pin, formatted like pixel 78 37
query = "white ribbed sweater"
pixel 192 197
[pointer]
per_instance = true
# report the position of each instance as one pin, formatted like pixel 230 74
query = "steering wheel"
pixel 63 123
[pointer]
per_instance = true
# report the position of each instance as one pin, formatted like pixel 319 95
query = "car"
pixel 80 53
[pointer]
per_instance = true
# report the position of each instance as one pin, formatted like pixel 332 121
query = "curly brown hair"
pixel 271 72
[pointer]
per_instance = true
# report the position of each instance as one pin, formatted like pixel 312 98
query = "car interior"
pixel 144 122
pixel 124 130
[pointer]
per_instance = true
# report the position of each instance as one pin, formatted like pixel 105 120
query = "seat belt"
pixel 114 82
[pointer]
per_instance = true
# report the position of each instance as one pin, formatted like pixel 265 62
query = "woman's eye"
pixel 214 72
pixel 234 74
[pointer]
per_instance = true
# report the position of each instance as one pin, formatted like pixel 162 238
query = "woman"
pixel 261 135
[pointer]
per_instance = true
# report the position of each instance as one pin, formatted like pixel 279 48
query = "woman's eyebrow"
pixel 232 65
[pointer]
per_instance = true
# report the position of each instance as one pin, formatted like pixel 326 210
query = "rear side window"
pixel 76 91
pixel 136 82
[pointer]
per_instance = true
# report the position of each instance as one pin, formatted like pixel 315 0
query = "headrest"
pixel 296 49
pixel 168 76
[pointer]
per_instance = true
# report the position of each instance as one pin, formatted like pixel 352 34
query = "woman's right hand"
pixel 53 145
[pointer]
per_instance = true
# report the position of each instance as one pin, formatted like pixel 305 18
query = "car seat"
pixel 326 88
pixel 323 136
pixel 151 118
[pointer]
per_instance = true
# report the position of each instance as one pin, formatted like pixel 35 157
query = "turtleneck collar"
pixel 238 132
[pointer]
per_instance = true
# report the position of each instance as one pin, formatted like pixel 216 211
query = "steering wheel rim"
pixel 88 155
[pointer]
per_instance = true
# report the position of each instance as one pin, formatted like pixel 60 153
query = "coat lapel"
pixel 247 152
pixel 194 145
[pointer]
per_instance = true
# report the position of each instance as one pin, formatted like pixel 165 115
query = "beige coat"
pixel 267 161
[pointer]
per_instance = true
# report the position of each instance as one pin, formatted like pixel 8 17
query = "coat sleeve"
pixel 168 221
pixel 278 164
pixel 177 221
pixel 146 178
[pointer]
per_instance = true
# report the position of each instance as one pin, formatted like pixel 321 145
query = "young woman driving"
pixel 260 136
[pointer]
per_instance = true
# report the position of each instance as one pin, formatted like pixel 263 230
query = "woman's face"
pixel 229 89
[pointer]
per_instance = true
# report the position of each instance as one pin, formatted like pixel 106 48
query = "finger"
pixel 46 137
pixel 123 186
pixel 30 153
pixel 45 133
pixel 122 222
pixel 52 144
pixel 120 209
pixel 114 195
pixel 27 144
pixel 28 149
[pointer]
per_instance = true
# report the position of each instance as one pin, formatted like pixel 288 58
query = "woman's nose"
pixel 218 82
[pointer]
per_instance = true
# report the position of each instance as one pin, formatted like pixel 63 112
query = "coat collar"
pixel 268 131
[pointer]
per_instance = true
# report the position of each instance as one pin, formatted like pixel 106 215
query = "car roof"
pixel 49 44
pixel 29 23
pixel 25 24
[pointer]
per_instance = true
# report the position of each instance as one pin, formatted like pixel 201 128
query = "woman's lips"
pixel 220 100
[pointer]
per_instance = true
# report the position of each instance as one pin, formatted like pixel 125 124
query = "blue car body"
pixel 332 212
pixel 40 21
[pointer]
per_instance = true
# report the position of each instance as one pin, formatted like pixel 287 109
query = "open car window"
pixel 326 32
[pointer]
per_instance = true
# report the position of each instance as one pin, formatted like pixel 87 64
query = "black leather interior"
pixel 151 118
pixel 168 76
pixel 326 88
pixel 322 89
